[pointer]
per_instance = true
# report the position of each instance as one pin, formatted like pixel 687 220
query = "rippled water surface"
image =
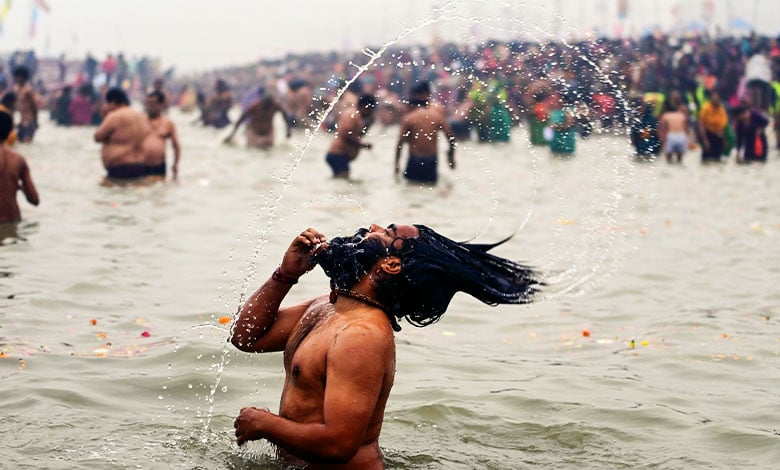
pixel 656 345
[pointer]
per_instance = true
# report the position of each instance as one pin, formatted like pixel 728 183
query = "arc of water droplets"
pixel 297 157
pixel 286 179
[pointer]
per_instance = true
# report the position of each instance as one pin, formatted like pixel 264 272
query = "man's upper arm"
pixel 27 185
pixel 357 366
pixel 275 339
pixel 173 134
pixel 445 127
pixel 105 129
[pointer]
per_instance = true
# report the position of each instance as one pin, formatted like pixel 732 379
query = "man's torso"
pixel 350 128
pixel 10 173
pixel 154 143
pixel 125 146
pixel 423 125
pixel 675 121
pixel 26 104
pixel 261 118
pixel 305 361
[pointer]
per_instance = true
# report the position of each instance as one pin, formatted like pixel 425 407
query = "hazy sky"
pixel 198 34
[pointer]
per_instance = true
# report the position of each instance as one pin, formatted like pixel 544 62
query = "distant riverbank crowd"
pixel 671 95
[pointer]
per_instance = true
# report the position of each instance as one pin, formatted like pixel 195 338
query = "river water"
pixel 655 346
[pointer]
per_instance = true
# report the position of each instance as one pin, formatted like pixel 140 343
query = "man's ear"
pixel 390 265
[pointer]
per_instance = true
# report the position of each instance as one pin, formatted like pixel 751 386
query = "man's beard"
pixel 348 259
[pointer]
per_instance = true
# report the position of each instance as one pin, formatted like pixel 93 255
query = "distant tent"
pixel 740 25
pixel 646 31
pixel 695 27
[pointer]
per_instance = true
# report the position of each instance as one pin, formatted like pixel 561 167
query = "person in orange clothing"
pixel 713 120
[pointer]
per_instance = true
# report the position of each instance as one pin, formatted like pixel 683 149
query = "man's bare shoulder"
pixel 369 331
pixel 363 349
pixel 123 114
pixel 412 117
pixel 15 159
pixel 438 108
pixel 348 118
pixel 168 122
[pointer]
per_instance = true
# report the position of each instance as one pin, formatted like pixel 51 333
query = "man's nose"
pixel 374 228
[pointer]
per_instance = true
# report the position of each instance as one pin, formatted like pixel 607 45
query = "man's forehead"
pixel 404 231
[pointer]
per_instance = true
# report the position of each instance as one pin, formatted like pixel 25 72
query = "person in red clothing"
pixel 750 126
pixel 80 108
pixel 109 68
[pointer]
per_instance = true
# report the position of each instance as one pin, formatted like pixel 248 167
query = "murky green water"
pixel 683 261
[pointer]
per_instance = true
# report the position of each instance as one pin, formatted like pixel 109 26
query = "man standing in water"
pixel 14 175
pixel 162 129
pixel 26 104
pixel 349 132
pixel 260 128
pixel 218 106
pixel 339 349
pixel 674 132
pixel 122 134
pixel 420 129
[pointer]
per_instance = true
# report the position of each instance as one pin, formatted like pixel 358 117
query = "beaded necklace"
pixel 335 293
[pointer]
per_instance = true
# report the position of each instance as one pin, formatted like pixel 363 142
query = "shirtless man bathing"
pixel 161 129
pixel 420 130
pixel 14 176
pixel 339 349
pixel 122 134
pixel 352 125
pixel 260 122
pixel 673 131
pixel 26 105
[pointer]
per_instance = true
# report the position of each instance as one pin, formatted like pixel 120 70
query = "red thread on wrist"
pixel 279 277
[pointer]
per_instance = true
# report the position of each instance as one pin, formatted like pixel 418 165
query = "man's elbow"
pixel 339 452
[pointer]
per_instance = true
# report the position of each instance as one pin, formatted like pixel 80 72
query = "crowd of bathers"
pixel 559 90
pixel 598 75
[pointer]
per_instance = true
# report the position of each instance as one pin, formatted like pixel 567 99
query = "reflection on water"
pixel 112 294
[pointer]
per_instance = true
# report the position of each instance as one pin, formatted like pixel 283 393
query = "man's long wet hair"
pixel 434 268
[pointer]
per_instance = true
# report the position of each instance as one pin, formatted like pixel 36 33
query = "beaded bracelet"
pixel 279 277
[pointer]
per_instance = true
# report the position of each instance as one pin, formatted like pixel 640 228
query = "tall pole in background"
pixel 557 19
pixel 622 18
pixel 755 15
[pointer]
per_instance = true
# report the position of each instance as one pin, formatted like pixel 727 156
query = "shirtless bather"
pixel 122 134
pixel 339 349
pixel 161 129
pixel 420 129
pixel 260 125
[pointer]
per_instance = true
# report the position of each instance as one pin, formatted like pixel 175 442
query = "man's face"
pixel 153 107
pixel 348 259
